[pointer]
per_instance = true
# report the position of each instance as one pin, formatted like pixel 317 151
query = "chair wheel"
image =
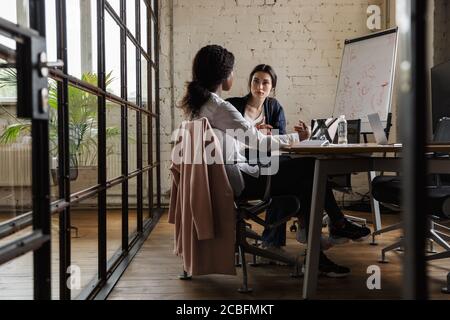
pixel 245 290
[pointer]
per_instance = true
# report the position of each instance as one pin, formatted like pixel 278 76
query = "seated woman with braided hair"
pixel 212 72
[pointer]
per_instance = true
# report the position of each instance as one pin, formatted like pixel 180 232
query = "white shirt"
pixel 223 116
pixel 257 121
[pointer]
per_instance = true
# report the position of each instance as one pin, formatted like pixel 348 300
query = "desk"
pixel 342 160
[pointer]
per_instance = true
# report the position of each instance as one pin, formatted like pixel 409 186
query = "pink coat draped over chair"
pixel 201 202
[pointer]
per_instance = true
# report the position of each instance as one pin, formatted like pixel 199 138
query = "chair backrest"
pixel 442 133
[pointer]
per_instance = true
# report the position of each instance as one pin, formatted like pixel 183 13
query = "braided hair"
pixel 212 65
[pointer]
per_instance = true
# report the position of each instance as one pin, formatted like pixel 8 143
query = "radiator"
pixel 15 165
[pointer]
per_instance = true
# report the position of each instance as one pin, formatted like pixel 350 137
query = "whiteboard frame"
pixel 394 64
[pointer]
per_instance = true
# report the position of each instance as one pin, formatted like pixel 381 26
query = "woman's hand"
pixel 303 130
pixel 265 128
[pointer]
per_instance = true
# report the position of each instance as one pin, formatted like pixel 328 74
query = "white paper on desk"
pixel 313 143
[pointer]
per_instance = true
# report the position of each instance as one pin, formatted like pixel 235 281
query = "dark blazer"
pixel 272 109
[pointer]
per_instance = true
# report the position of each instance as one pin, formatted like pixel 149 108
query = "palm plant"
pixel 83 126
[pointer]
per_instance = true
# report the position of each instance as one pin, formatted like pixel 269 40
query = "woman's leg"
pixel 296 176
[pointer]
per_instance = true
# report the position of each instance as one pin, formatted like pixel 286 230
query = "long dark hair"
pixel 212 65
pixel 263 68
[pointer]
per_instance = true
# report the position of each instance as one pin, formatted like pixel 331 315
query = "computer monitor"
pixel 440 81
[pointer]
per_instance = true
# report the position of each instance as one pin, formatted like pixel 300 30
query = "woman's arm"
pixel 229 120
pixel 278 117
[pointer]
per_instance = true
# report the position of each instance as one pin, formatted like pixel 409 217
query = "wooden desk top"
pixel 357 149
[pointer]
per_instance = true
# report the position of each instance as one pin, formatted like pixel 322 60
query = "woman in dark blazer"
pixel 257 107
pixel 265 113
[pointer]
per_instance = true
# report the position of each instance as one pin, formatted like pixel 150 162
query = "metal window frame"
pixel 32 82
pixel 108 270
pixel 414 115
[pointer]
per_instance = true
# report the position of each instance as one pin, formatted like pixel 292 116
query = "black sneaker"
pixel 348 231
pixel 331 269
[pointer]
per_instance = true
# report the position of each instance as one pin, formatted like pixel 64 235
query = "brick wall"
pixel 301 39
pixel 441 31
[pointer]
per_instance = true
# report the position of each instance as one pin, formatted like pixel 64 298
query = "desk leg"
pixel 315 230
pixel 374 204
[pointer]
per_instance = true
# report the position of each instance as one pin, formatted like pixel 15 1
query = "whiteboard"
pixel 367 77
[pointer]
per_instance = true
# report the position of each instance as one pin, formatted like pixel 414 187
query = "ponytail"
pixel 212 65
pixel 196 96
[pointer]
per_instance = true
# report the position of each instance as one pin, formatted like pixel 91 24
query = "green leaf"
pixel 14 131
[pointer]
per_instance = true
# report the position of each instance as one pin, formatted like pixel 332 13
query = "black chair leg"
pixel 76 231
pixel 254 262
pixel 237 260
pixel 244 288
pixel 185 276
pixel 447 289
pixel 297 269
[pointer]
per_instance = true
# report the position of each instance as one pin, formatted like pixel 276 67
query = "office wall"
pixel 441 31
pixel 301 39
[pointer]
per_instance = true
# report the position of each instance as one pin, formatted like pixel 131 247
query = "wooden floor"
pixel 153 274
pixel 16 276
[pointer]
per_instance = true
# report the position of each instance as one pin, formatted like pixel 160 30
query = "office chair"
pixel 388 190
pixel 385 188
pixel 250 210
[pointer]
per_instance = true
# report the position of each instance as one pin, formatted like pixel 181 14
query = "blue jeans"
pixel 275 236
pixel 294 178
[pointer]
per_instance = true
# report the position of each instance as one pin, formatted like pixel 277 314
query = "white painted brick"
pixel 301 39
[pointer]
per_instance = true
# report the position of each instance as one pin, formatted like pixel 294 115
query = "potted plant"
pixel 83 130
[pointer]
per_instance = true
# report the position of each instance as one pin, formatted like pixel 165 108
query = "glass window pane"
pixel 50 26
pixel 146 190
pixel 82 37
pixel 155 189
pixel 144 25
pixel 131 16
pixel 83 139
pixel 144 81
pixel 15 151
pixel 132 141
pixel 53 139
pixel 145 140
pixel 131 69
pixel 153 146
pixel 153 90
pixel 114 220
pixel 113 140
pixel 132 207
pixel 152 5
pixel 17 11
pixel 115 4
pixel 84 246
pixel 112 58
pixel 16 278
pixel 55 256
pixel 153 40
